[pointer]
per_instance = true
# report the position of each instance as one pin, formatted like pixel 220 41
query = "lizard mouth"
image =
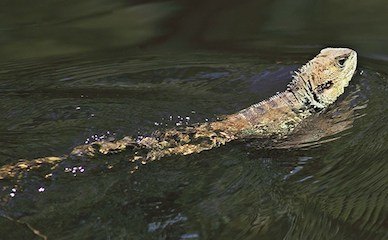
pixel 351 70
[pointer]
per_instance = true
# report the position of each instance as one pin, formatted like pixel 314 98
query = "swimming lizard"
pixel 314 86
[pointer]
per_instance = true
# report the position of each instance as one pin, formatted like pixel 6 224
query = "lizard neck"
pixel 276 116
pixel 302 88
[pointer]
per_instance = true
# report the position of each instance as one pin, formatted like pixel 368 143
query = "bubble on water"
pixel 78 108
pixel 41 189
pixel 74 170
pixel 12 194
pixel 99 138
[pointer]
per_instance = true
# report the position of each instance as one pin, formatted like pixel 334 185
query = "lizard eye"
pixel 341 61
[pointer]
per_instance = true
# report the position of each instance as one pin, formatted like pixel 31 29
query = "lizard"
pixel 313 88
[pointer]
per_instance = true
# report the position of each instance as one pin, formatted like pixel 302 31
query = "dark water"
pixel 72 71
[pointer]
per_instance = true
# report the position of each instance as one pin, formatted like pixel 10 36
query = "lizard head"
pixel 325 77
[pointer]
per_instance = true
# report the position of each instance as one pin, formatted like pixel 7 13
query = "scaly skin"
pixel 315 86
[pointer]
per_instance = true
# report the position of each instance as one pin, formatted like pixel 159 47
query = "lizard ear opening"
pixel 324 86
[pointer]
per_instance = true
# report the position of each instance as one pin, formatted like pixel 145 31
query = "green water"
pixel 74 71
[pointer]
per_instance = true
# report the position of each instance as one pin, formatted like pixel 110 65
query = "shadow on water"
pixel 94 70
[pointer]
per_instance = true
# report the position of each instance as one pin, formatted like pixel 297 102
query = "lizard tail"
pixel 182 141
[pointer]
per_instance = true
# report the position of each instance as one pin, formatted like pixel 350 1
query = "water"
pixel 75 71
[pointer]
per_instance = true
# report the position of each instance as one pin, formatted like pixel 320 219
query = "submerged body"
pixel 317 84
